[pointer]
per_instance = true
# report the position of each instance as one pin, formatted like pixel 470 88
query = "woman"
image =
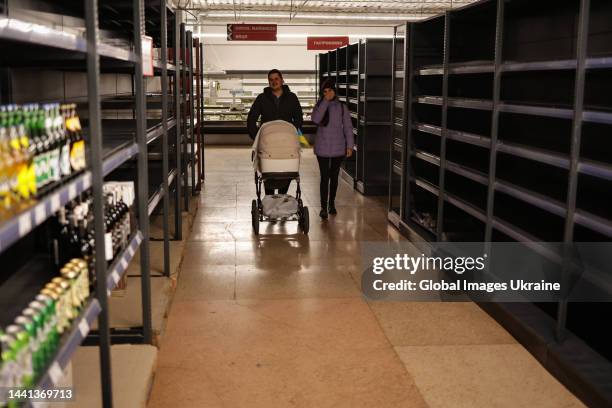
pixel 334 142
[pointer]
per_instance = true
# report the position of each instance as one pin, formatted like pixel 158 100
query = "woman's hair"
pixel 275 71
pixel 328 84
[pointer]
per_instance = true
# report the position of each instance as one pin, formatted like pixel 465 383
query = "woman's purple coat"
pixel 333 140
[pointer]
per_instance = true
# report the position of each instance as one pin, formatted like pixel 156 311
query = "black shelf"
pixel 552 88
pixel 48 44
pixel 494 100
pixel 122 261
pixel 462 222
pixel 116 152
pixel 540 132
pixel 51 53
pixel 535 154
pixel 70 342
pixel 538 223
pixel 532 175
pixel 536 32
pixel 529 196
pixel 472 30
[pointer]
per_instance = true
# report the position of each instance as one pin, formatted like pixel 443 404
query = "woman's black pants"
pixel 330 169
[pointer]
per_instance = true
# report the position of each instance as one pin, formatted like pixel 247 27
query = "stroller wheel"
pixel 255 217
pixel 305 220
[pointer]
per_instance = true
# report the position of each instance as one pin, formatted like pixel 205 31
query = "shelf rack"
pixel 101 42
pixel 399 88
pixel 508 113
pixel 363 83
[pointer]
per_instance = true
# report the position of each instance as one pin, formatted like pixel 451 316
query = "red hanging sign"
pixel 251 32
pixel 326 43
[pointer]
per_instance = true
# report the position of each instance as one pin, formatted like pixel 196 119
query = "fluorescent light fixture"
pixel 299 36
pixel 304 16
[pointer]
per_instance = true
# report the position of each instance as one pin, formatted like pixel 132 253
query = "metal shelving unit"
pixel 128 147
pixel 399 106
pixel 508 111
pixel 363 82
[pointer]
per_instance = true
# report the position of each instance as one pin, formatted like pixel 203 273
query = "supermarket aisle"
pixel 278 320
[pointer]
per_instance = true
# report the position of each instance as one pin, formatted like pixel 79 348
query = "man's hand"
pixel 349 152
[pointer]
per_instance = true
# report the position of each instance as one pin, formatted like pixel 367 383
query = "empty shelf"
pixel 537 110
pixel 527 239
pixel 430 100
pixel 538 65
pixel 431 129
pixel 591 221
pixel 470 138
pixel 533 198
pixel 465 206
pixel 596 169
pixel 597 117
pixel 430 70
pixel 430 158
pixel 534 154
pixel 467 172
pixel 470 103
pixel 603 62
pixel 475 67
pixel 426 186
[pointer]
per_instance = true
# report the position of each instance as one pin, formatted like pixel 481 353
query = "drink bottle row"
pixel 74 225
pixel 40 145
pixel 30 343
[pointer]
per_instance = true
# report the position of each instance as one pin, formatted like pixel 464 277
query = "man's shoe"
pixel 332 210
pixel 323 214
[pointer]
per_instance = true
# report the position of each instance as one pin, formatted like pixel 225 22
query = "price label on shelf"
pixel 55 373
pixel 40 213
pixel 147 56
pixel 25 224
pixel 84 328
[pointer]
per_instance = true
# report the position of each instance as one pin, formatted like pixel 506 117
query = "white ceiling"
pixel 367 12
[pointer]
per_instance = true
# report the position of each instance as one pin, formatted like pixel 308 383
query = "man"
pixel 276 102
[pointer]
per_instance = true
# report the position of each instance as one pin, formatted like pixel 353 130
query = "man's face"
pixel 275 81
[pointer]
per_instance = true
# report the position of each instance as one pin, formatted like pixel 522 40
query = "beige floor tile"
pixel 212 232
pixel 438 323
pixel 281 283
pixel 277 353
pixel 483 376
pixel 209 253
pixel 126 310
pixel 217 214
pixel 212 201
pixel 133 367
pixel 183 387
pixel 206 282
pixel 278 319
pixel 296 251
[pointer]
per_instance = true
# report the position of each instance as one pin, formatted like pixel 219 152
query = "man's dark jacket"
pixel 289 109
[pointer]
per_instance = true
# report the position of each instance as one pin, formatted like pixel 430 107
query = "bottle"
pixel 108 228
pixel 20 188
pixel 65 167
pixel 21 352
pixel 77 149
pixel 7 167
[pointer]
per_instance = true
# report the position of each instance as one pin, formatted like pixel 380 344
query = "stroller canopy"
pixel 277 140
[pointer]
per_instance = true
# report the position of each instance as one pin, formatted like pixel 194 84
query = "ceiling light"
pixel 304 16
pixel 305 35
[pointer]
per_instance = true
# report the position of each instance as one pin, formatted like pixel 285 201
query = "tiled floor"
pixel 278 320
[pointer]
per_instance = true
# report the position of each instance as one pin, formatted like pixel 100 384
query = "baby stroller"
pixel 276 159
